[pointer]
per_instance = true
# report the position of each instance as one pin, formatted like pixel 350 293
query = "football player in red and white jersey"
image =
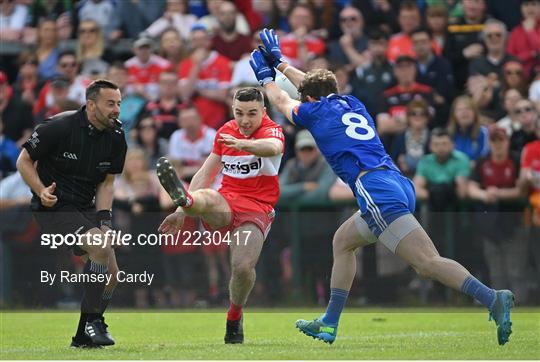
pixel 247 151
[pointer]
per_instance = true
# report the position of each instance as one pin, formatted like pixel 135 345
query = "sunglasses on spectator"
pixel 416 113
pixel 88 30
pixel 348 18
pixel 70 64
pixel 147 126
pixel 513 72
pixel 494 35
pixel 306 148
pixel 523 110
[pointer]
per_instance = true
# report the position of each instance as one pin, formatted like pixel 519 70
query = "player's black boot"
pixel 171 183
pixel 234 332
pixel 97 331
pixel 83 342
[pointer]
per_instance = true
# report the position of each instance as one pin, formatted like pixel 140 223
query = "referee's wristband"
pixel 104 218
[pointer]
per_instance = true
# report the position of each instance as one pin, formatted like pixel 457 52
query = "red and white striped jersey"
pixel 252 176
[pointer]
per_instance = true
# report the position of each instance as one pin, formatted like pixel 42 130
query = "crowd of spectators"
pixel 454 88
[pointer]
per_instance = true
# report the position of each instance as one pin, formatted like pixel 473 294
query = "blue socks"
pixel 338 298
pixel 474 288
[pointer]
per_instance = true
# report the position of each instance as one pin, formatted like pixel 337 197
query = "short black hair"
pixel 376 34
pixel 421 29
pixel 249 94
pixel 94 88
pixel 440 132
pixel 65 52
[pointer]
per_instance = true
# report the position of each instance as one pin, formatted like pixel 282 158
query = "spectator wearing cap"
pixel 144 69
pixel 67 67
pixel 227 40
pixel 494 187
pixel 59 89
pixel 524 40
pixel 409 18
pixel 393 117
pixel 466 130
pixel 205 79
pixel 464 41
pixel 308 178
pixel 15 115
pixel 12 20
pixel 176 16
pixel 349 48
pixel 433 70
pixel 527 115
pixel 371 78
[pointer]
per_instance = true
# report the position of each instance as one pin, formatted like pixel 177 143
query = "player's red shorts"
pixel 244 210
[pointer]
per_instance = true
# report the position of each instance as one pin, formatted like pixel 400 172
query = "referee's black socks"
pixel 91 305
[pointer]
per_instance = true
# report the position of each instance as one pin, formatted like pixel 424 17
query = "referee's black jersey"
pixel 75 155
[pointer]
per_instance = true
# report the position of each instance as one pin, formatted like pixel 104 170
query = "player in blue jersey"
pixel 346 136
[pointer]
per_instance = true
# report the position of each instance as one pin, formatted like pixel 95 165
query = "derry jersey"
pixel 246 174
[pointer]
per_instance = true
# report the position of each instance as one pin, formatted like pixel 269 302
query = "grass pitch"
pixel 270 334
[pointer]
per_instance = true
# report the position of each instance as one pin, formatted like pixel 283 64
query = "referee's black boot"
pixel 83 342
pixel 98 333
pixel 234 332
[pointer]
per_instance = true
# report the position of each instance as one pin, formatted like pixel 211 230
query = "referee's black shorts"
pixel 66 219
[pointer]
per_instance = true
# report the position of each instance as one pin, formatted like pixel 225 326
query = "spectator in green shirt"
pixel 441 177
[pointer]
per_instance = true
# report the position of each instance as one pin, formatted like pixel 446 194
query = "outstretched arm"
pixel 264 147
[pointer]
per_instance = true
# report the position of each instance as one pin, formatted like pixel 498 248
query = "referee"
pixel 69 162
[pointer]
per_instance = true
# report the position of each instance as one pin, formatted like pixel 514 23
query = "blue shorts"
pixel 384 196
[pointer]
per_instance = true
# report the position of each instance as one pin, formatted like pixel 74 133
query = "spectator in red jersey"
pixel 166 108
pixel 227 40
pixel 493 184
pixel 393 118
pixel 530 177
pixel 191 143
pixel 144 69
pixel 69 68
pixel 300 44
pixel 524 40
pixel 172 47
pixel 176 16
pixel 409 18
pixel 205 78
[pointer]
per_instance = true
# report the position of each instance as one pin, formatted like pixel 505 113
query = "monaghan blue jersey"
pixel 345 134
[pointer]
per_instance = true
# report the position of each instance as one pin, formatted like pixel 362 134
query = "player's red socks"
pixel 235 312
